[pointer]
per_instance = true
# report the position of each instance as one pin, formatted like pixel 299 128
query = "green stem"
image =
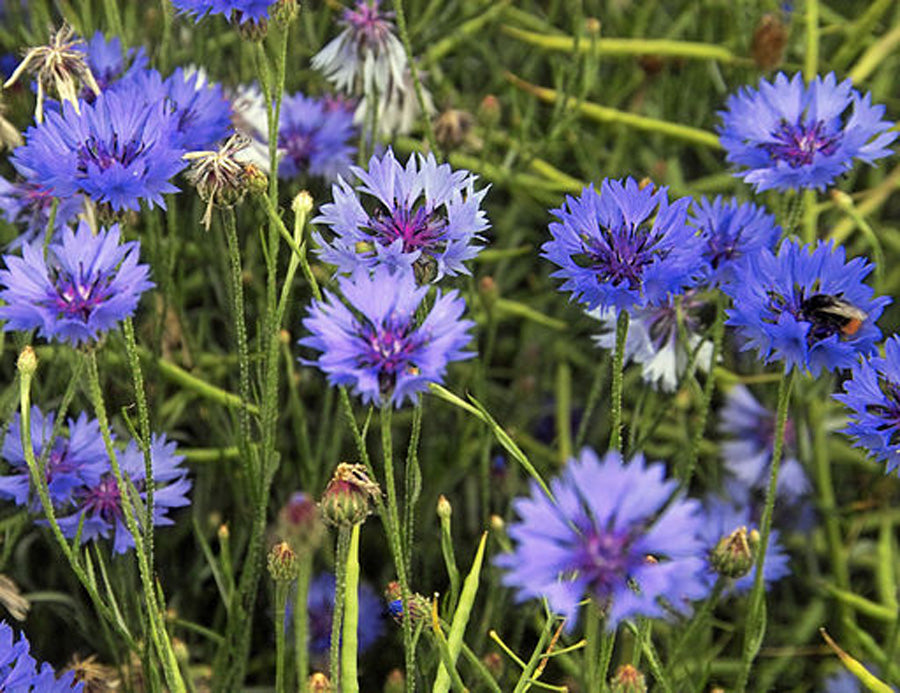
pixel 756 617
pixel 615 434
pixel 593 630
pixel 301 621
pixel 811 62
pixel 111 8
pixel 340 582
pixel 709 385
pixel 281 593
pixel 591 404
pixel 417 83
pixel 349 645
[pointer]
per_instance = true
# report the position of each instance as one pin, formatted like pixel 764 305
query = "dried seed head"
pixel 96 677
pixel 628 680
pixel 453 127
pixel 60 66
pixel 12 599
pixel 282 563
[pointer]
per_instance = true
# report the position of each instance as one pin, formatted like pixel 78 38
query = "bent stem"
pixel 615 435
pixel 756 617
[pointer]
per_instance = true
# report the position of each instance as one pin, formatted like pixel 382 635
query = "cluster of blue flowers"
pixel 21 673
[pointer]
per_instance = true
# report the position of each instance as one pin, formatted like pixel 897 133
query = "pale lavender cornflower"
pixel 373 342
pixel 98 506
pixel 424 216
pixel 613 534
pixel 366 58
pixel 87 284
pixel 26 204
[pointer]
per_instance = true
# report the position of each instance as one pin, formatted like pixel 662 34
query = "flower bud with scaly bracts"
pixel 299 524
pixel 284 12
pixel 628 680
pixel 419 607
pixel 282 563
pixel 735 553
pixel 318 683
pixel 395 682
pixel 348 497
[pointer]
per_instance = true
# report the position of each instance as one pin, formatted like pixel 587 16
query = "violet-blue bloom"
pixel 374 344
pixel 624 248
pixel 749 428
pixel 118 150
pixel 872 394
pixel 732 231
pixel 321 612
pixel 76 458
pixel 366 58
pixel 100 504
pixel 26 204
pixel 315 138
pixel 723 518
pixel 20 672
pixel 109 63
pixel 425 216
pixel 87 284
pixel 609 520
pixel 807 309
pixel 236 10
pixel 789 135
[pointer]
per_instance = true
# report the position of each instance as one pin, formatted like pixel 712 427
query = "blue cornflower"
pixel 366 58
pixel 200 114
pixel 109 63
pixel 425 215
pixel 26 204
pixel 655 341
pixel 20 673
pixel 723 518
pixel 611 534
pixel 624 248
pixel 789 135
pixel 117 150
pixel 315 139
pixel 747 451
pixel 321 611
pixel 100 504
pixel 805 308
pixel 236 10
pixel 872 394
pixel 379 349
pixel 76 458
pixel 732 231
pixel 85 287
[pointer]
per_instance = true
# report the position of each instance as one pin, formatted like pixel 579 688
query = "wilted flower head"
pixel 722 521
pixel 611 535
pixel 233 10
pixel 374 343
pixel 20 673
pixel 624 248
pixel 805 308
pixel 366 57
pixel 110 63
pixel 87 284
pixel 99 505
pixel 26 204
pixel 315 139
pixel 398 110
pixel 790 135
pixel 60 66
pixel 77 457
pixel 655 341
pixel 731 232
pixel 747 450
pixel 425 216
pixel 872 394
pixel 117 151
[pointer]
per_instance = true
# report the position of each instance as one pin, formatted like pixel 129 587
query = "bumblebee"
pixel 834 314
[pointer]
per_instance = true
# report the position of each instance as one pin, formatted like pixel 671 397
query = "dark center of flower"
pixel 798 143
pixel 103 154
pixel 622 254
pixel 889 411
pixel 419 229
pixel 389 350
pixel 605 560
pixel 369 25
pixel 103 500
pixel 298 147
pixel 77 297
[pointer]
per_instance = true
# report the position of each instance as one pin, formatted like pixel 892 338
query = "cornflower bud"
pixel 489 111
pixel 395 682
pixel 27 362
pixel 419 607
pixel 348 497
pixel 284 12
pixel 452 128
pixel 300 525
pixel 628 680
pixel 251 30
pixel 318 683
pixel 444 509
pixel 282 563
pixel 734 554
